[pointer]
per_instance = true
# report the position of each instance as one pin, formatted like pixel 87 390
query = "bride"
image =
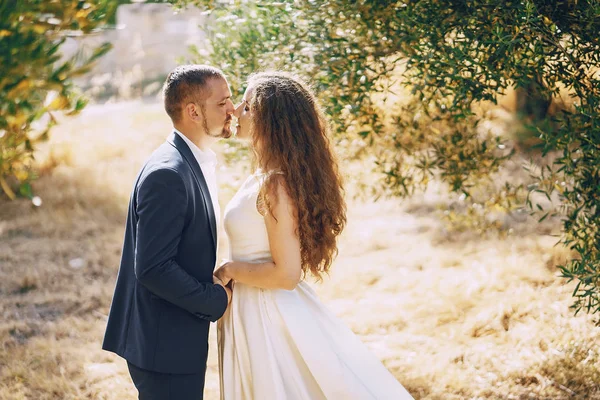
pixel 277 340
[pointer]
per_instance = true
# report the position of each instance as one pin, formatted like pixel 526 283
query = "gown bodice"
pixel 245 226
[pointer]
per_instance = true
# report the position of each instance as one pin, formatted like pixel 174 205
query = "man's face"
pixel 218 109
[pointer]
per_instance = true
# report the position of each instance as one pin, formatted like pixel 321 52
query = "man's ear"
pixel 192 112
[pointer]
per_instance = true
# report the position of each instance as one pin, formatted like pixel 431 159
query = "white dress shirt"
pixel 208 164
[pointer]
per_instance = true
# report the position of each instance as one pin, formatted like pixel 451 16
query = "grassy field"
pixel 453 317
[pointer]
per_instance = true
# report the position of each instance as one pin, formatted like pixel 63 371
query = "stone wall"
pixel 148 42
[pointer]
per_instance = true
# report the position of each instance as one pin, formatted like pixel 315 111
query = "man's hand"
pixel 218 281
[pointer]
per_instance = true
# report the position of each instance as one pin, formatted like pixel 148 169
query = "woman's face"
pixel 243 113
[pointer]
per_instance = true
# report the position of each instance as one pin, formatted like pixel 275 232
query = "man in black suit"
pixel 166 295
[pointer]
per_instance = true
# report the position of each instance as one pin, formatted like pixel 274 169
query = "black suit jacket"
pixel 164 298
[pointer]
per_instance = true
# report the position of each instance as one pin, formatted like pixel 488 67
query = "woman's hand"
pixel 222 273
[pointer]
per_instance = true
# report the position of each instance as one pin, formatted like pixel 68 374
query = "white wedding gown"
pixel 286 345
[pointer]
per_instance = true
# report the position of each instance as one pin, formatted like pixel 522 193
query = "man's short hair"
pixel 186 84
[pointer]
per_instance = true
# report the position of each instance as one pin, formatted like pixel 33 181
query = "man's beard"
pixel 225 133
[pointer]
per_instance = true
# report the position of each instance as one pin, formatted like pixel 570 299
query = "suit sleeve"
pixel 161 208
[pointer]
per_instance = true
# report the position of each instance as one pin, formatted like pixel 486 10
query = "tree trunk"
pixel 532 103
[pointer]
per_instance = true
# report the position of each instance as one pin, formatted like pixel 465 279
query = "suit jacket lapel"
pixel 185 151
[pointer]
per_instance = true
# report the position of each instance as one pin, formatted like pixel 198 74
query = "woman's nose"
pixel 238 110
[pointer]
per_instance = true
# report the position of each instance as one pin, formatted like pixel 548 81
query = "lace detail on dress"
pixel 260 203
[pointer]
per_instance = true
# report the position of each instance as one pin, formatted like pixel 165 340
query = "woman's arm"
pixel 286 269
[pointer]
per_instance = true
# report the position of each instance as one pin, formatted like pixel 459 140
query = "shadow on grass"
pixel 572 373
pixel 59 259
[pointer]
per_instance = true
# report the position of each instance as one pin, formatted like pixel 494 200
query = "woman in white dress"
pixel 277 341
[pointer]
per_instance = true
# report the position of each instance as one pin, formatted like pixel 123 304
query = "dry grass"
pixel 452 318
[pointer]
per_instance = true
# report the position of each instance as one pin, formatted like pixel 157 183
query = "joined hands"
pixel 228 286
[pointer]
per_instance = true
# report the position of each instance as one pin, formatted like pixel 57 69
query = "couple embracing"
pixel 277 341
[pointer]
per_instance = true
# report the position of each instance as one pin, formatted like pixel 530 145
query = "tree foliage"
pixel 455 54
pixel 35 81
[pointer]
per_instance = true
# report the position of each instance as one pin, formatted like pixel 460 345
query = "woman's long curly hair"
pixel 290 136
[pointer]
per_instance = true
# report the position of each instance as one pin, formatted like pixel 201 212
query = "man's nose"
pixel 231 109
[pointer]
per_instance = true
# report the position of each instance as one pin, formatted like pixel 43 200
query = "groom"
pixel 165 296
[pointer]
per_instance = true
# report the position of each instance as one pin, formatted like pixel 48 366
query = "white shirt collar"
pixel 203 157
